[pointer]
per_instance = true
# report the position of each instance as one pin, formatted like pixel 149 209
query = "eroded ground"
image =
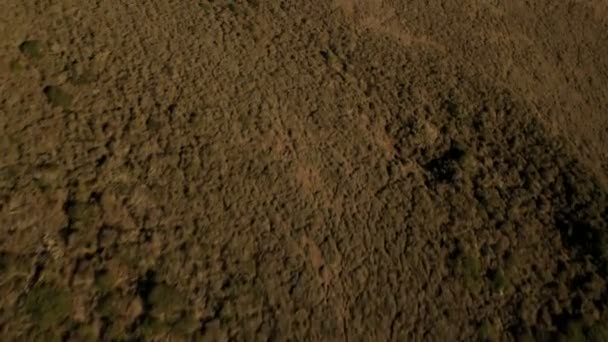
pixel 305 170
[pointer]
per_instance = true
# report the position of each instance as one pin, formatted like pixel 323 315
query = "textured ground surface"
pixel 308 170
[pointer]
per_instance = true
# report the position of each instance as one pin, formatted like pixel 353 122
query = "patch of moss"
pixel 32 49
pixel 58 97
pixel 48 306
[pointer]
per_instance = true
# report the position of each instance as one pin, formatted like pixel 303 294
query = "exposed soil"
pixel 304 170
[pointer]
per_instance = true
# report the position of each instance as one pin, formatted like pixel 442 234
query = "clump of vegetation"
pixel 85 333
pixel 8 177
pixel 487 332
pixel 48 176
pixel 453 108
pixel 598 333
pixel 48 306
pixel 577 330
pixel 14 264
pixel 81 77
pixel 111 305
pixel 31 49
pixel 468 267
pixel 155 328
pixel 152 328
pixel 457 160
pixel 231 6
pixel 115 331
pixel 205 6
pixel 500 282
pixel 332 60
pixel 107 306
pixel 226 314
pixel 58 97
pixel 82 215
pixel 166 313
pixel 165 302
pixel 467 161
pixel 105 281
pixel 574 332
pixel 4 263
pixel 601 241
pixel 15 66
pixel 185 326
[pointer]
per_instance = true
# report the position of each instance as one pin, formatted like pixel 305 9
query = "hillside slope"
pixel 307 170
